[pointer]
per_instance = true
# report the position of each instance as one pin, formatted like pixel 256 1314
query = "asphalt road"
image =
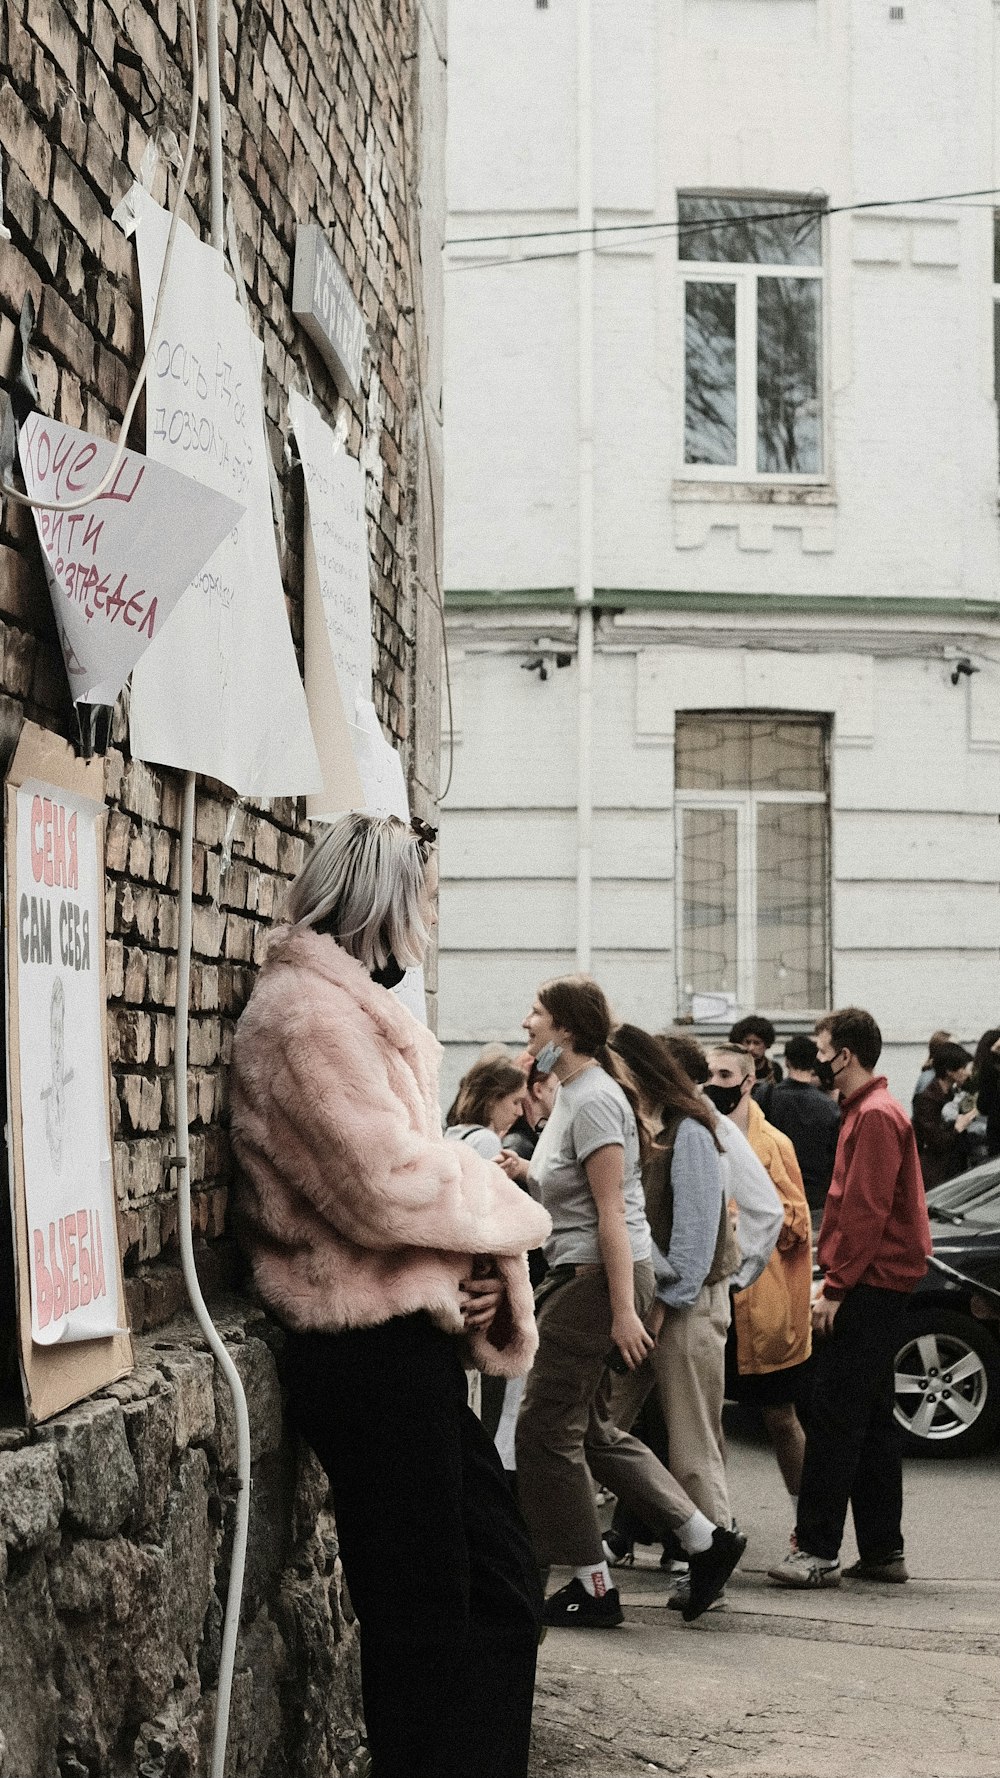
pixel 864 1682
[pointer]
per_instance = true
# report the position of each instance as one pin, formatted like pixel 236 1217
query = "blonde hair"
pixel 734 1049
pixel 363 883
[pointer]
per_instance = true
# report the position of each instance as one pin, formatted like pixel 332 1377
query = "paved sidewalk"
pixel 864 1682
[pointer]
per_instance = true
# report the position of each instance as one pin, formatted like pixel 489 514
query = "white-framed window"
pixel 753 871
pixel 752 276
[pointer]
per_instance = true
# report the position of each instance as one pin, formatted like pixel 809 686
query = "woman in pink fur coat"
pixel 393 1258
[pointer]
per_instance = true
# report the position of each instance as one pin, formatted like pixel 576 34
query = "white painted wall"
pixel 757 95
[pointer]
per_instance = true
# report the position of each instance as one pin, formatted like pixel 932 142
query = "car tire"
pixel 943 1342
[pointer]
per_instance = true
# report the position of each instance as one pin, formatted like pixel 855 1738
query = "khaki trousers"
pixel 569 1431
pixel 690 1369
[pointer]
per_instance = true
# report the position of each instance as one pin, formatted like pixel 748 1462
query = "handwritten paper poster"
pixel 379 766
pixel 360 768
pixel 335 490
pixel 117 567
pixel 58 912
pixel 219 692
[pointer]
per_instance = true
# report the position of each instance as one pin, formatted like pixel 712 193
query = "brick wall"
pixel 314 110
pixel 317 96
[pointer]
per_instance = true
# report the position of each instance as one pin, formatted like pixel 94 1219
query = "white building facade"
pixel 722 544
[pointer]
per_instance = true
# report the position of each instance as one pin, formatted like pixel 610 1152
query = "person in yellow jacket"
pixel 772 1318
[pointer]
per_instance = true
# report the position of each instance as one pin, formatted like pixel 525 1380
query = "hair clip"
pixel 425 833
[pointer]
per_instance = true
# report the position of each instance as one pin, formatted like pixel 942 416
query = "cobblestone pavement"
pixel 867 1682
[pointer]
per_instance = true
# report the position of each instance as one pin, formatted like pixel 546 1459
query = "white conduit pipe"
pixel 585 493
pixel 231 1622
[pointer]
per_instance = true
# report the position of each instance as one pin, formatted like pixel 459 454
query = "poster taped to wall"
pixel 335 491
pixel 112 581
pixel 361 770
pixel 219 692
pixel 71 1302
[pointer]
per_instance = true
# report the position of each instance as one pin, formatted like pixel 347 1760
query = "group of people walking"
pixel 655 1196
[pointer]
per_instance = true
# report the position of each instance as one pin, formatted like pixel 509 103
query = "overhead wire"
pixel 663 228
pixel 704 225
pixel 8 492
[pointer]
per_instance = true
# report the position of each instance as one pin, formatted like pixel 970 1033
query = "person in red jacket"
pixel 873 1249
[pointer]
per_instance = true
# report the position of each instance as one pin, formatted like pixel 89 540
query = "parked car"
pixel 948 1368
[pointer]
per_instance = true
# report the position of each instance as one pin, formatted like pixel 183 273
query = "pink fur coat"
pixel 352 1205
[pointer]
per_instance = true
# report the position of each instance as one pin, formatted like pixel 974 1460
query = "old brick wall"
pixel 331 113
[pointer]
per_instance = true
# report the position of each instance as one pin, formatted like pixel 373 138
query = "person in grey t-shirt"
pixel 591 1112
pixel 591 1309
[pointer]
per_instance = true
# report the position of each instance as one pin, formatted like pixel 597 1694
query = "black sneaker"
pixel 619 1551
pixel 710 1570
pixel 573 1608
pixel 892 1569
pixel 681 1596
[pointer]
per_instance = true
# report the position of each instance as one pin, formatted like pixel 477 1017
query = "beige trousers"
pixel 690 1369
pixel 569 1431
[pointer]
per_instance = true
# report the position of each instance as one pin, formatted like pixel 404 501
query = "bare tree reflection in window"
pixel 788 369
pixel 710 373
pixel 748 231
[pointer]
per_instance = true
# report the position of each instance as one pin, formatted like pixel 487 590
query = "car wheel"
pixel 947 1385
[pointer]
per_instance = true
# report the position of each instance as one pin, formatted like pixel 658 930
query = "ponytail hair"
pixel 578 1005
pixel 660 1079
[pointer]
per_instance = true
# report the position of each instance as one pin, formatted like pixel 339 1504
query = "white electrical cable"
pixel 231 1623
pixel 9 493
pixel 237 1570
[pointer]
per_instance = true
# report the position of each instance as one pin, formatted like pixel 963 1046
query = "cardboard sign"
pixel 71 1303
pixel 112 581
pixel 219 692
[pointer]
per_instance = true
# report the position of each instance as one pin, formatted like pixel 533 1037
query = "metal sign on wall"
pixel 322 300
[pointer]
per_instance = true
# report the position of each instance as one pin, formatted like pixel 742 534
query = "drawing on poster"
pixel 68 1187
pixel 219 692
pixel 54 1095
pixel 112 583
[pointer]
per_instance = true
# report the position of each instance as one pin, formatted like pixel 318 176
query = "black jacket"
pixel 812 1123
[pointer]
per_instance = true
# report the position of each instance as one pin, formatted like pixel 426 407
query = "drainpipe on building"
pixel 231 1621
pixel 585 489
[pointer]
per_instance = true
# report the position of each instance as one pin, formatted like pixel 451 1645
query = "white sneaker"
pixel 799 1569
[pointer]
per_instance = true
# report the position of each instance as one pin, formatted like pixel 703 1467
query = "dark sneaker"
pixel 682 1593
pixel 573 1608
pixel 893 1570
pixel 800 1569
pixel 710 1570
pixel 619 1552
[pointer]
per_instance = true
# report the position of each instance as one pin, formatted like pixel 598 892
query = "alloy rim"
pixel 941 1387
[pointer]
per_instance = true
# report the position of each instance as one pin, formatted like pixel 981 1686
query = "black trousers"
pixel 852 1444
pixel 434 1549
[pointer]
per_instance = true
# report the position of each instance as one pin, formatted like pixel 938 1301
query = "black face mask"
pixel 826 1074
pixel 390 975
pixel 725 1099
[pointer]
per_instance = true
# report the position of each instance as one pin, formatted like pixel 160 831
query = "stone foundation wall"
pixel 114 1560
